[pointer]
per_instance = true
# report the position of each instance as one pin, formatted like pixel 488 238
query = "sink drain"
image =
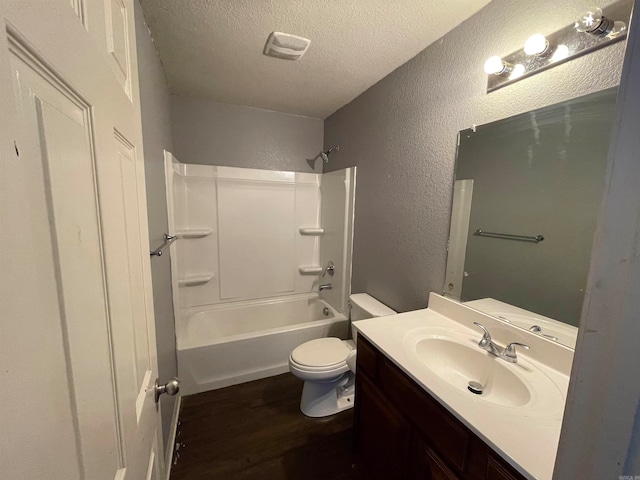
pixel 475 387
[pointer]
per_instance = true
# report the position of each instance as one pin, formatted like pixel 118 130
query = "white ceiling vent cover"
pixel 286 46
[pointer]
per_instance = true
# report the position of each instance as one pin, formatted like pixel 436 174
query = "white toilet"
pixel 327 365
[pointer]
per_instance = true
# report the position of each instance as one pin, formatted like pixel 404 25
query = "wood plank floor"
pixel 256 431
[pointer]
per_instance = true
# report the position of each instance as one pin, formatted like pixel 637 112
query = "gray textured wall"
pixel 156 133
pixel 401 133
pixel 214 133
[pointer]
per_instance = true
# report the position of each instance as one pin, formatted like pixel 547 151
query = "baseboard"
pixel 172 436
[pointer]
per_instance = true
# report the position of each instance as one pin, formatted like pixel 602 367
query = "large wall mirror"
pixel 526 197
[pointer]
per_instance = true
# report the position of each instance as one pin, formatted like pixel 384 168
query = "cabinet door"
pixel 426 465
pixel 485 464
pixel 497 470
pixel 382 445
pixel 446 435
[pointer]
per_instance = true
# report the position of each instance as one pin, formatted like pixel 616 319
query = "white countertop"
pixel 526 438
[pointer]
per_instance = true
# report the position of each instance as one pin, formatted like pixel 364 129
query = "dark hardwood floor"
pixel 256 431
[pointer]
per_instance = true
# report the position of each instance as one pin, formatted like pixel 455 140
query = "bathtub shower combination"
pixel 253 249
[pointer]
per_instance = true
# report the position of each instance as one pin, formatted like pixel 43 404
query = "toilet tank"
pixel 364 306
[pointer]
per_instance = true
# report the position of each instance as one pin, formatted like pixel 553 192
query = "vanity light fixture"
pixel 537 44
pixel 594 29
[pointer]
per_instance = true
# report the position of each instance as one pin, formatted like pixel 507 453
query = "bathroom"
pixel 399 128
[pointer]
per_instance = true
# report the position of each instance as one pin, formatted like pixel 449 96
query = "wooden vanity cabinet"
pixel 401 432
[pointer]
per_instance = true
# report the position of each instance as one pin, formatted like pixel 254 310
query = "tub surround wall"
pixel 401 133
pixel 337 241
pixel 213 133
pixel 156 135
pixel 222 213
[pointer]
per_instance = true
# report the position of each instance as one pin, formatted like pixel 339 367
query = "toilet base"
pixel 321 399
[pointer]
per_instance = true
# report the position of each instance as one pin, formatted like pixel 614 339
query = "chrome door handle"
pixel 170 388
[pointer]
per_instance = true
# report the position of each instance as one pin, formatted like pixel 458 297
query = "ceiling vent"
pixel 286 46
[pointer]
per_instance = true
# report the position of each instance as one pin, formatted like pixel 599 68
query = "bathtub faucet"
pixel 325 286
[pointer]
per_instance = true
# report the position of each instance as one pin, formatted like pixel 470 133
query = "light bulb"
pixel 618 29
pixel 494 66
pixel 589 21
pixel 518 71
pixel 562 52
pixel 536 45
pixel 595 23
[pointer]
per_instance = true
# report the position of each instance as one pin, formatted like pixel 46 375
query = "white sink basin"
pixel 459 364
pixel 453 357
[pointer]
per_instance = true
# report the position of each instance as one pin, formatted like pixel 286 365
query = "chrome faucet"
pixel 508 353
pixel 325 286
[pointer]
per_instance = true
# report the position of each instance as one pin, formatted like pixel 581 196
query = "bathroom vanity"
pixel 403 432
pixel 415 417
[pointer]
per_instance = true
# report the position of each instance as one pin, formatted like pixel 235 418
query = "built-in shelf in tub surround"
pixel 195 279
pixel 194 232
pixel 310 270
pixel 314 231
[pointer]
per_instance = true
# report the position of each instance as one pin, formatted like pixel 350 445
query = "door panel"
pixel 129 183
pixel 28 258
pixel 117 41
pixel 55 130
pixel 78 7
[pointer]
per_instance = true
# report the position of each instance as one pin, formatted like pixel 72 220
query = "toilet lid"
pixel 322 352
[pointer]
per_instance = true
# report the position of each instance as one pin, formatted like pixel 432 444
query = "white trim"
pixel 173 431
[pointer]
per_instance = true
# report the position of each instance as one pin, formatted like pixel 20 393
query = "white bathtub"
pixel 231 344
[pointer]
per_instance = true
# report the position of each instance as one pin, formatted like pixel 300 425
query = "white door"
pixel 77 338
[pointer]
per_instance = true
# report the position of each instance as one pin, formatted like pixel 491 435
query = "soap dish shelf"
pixel 310 270
pixel 195 279
pixel 312 231
pixel 194 232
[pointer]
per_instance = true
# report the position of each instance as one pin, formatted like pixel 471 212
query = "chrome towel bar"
pixel 168 240
pixel 508 236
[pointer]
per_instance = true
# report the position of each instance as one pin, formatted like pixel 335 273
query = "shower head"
pixel 325 155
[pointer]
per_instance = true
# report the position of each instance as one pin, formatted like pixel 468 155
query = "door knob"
pixel 170 388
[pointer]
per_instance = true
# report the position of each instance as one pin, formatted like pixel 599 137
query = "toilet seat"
pixel 321 360
pixel 318 373
pixel 321 354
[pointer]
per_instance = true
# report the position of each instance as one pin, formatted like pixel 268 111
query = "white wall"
pixel 214 133
pixel 156 132
pixel 401 133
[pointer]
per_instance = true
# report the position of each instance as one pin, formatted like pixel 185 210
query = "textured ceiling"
pixel 213 48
